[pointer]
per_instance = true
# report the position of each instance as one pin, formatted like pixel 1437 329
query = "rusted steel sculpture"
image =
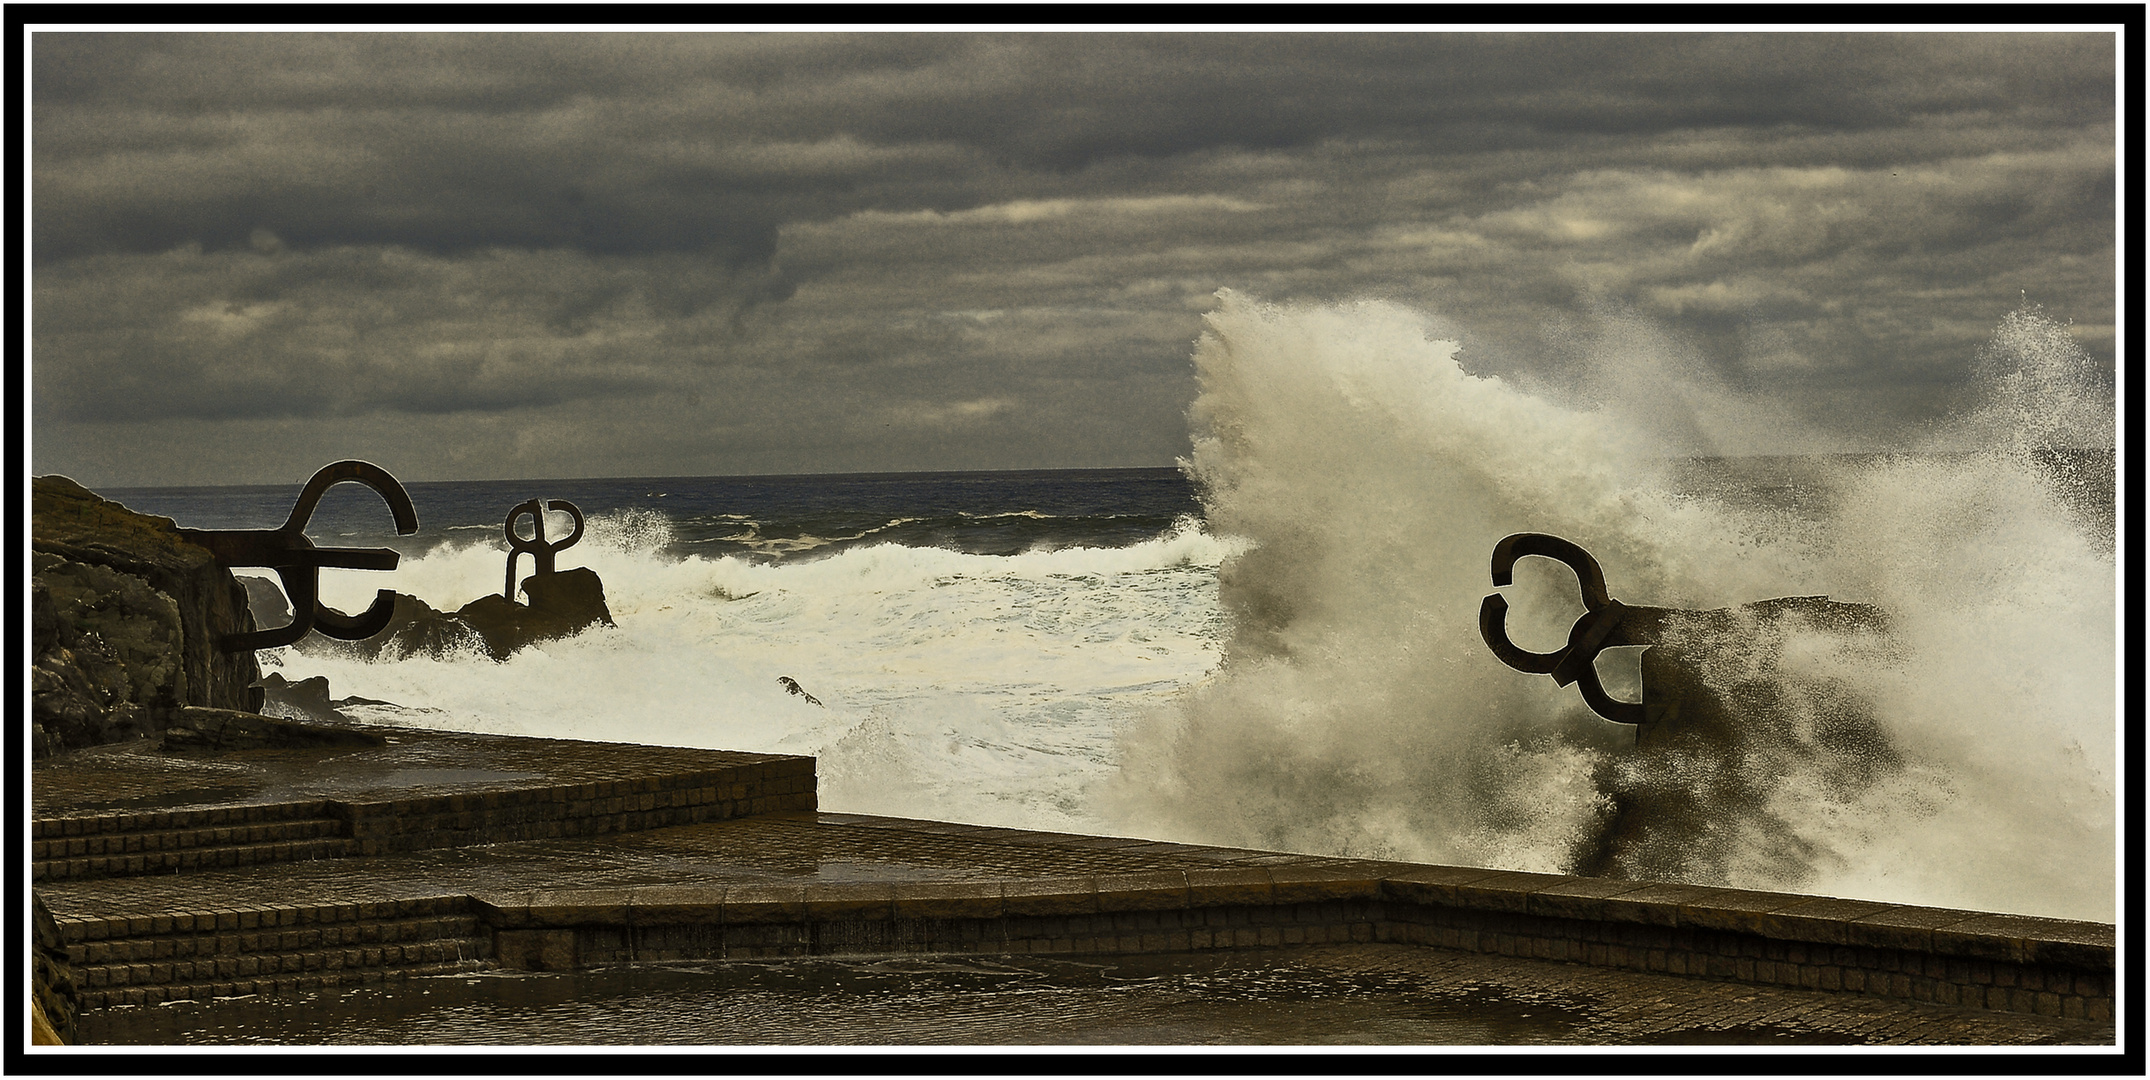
pixel 298 562
pixel 541 553
pixel 1721 723
pixel 1606 623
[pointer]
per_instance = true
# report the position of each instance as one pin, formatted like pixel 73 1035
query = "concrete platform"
pixel 448 852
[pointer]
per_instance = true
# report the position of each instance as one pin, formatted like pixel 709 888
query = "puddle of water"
pixel 1240 998
pixel 416 778
pixel 172 800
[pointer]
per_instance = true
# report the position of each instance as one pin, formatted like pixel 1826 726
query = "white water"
pixel 1336 697
pixel 974 687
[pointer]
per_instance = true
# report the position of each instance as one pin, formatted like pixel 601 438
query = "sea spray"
pixel 980 688
pixel 1357 712
pixel 1303 669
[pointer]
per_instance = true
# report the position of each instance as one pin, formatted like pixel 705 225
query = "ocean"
pixel 1275 644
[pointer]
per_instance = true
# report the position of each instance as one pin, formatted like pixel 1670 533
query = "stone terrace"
pixel 212 874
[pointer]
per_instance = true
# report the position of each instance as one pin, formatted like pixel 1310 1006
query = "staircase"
pixel 145 960
pixel 115 845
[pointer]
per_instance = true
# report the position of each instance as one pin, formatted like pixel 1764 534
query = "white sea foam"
pixel 1306 672
pixel 975 687
pixel 1358 711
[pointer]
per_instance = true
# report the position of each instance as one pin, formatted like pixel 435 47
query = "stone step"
pixel 288 842
pixel 158 821
pixel 175 956
pixel 285 982
pixel 188 947
pixel 170 841
pixel 179 839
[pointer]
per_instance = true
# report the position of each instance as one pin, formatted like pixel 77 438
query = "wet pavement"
pixel 132 777
pixel 811 849
pixel 1381 995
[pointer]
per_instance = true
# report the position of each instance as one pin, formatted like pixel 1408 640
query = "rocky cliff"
pixel 125 616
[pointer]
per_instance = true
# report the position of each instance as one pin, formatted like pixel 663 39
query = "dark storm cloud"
pixel 633 142
pixel 988 239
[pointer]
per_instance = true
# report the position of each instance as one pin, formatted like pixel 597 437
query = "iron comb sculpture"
pixel 1606 623
pixel 298 563
pixel 541 553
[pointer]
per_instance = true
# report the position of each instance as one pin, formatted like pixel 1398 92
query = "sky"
pixel 555 255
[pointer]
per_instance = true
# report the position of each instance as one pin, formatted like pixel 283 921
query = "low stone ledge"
pixel 1230 885
pixel 1157 890
pixel 848 901
pixel 1049 896
pixel 947 900
pixel 1790 917
pixel 1505 890
pixel 1313 885
pixel 753 904
pixel 1818 919
pixel 1582 899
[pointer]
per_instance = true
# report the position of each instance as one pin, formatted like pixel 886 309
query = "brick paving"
pixel 1627 1007
pixel 131 777
pixel 838 855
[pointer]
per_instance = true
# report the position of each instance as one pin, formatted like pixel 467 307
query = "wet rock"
pixel 265 599
pixel 125 617
pixel 306 699
pixel 231 729
pixel 561 604
pixel 1732 731
pixel 574 598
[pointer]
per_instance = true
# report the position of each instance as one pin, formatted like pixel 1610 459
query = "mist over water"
pixel 1357 711
pixel 1300 667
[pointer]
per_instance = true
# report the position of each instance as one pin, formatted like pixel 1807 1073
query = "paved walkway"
pixel 1611 1006
pixel 131 778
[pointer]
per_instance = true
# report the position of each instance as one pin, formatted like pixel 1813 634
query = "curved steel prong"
pixel 298 563
pixel 1586 639
pixel 357 472
pixel 298 588
pixel 1587 572
pixel 1602 703
pixel 517 546
pixel 333 623
pixel 1575 662
pixel 572 511
pixel 541 553
pixel 1493 626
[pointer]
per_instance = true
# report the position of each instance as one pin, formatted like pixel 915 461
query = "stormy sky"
pixel 533 255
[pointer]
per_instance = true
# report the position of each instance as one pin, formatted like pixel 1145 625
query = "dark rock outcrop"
pixel 229 729
pixel 125 616
pixel 1733 731
pixel 561 604
pixel 265 598
pixel 306 699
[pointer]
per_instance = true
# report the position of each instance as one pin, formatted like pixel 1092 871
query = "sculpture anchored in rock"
pixel 1721 724
pixel 561 602
pixel 541 553
pixel 296 560
pixel 1606 623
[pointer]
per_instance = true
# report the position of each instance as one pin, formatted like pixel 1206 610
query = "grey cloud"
pixel 352 330
pixel 626 142
pixel 994 235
